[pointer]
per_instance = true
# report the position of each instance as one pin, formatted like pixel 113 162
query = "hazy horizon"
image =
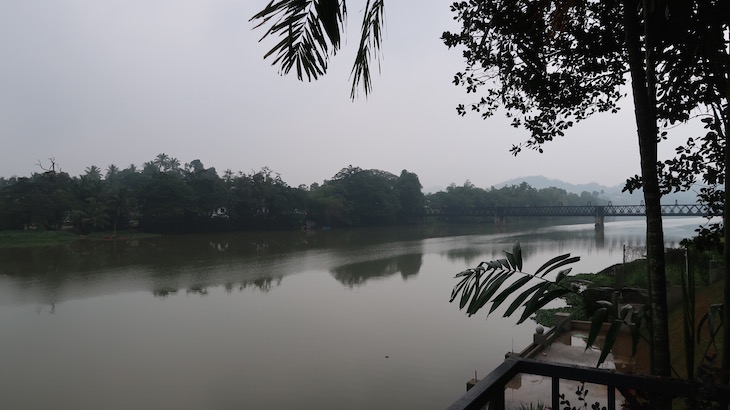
pixel 118 82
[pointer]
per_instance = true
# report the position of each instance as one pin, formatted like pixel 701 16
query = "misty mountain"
pixel 610 193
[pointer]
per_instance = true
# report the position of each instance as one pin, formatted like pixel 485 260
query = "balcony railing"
pixel 491 389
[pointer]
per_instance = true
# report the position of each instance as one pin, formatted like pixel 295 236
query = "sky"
pixel 90 82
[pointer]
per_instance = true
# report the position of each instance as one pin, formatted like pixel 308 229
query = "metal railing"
pixel 491 389
pixel 583 210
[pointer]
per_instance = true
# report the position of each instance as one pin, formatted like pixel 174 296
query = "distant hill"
pixel 541 182
pixel 612 194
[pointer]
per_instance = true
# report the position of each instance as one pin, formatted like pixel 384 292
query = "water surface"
pixel 355 319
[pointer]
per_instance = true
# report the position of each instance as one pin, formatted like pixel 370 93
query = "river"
pixel 339 319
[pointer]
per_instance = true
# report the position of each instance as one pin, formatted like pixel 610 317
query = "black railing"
pixel 491 389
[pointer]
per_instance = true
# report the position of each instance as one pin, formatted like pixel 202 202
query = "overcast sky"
pixel 118 82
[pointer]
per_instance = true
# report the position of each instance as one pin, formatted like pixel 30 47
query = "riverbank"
pixel 31 238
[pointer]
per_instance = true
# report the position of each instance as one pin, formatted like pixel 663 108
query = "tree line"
pixel 166 197
pixel 468 196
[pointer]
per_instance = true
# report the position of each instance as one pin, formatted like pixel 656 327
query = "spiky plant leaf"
pixel 625 311
pixel 597 320
pixel 610 340
pixel 468 290
pixel 309 32
pixel 371 37
pixel 503 263
pixel 561 264
pixel 521 298
pixel 459 286
pixel 490 287
pixel 551 262
pixel 534 305
pixel 511 260
pixel 517 252
pixel 562 275
pixel 499 299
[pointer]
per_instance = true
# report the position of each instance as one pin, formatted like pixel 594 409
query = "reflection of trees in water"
pixel 259 284
pixel 577 241
pixel 409 265
pixel 467 254
pixel 51 309
pixel 356 274
pixel 163 293
pixel 197 290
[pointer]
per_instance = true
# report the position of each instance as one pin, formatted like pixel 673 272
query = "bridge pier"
pixel 600 212
pixel 499 220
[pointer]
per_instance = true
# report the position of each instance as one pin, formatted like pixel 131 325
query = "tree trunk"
pixel 641 68
pixel 725 364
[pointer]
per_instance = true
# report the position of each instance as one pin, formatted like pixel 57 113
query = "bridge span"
pixel 599 212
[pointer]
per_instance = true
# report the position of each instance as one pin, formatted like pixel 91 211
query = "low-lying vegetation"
pixel 19 239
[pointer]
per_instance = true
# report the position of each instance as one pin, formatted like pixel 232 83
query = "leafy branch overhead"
pixel 549 65
pixel 309 31
pixel 493 282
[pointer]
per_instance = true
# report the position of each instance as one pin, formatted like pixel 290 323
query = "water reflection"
pixel 195 263
pixel 261 285
pixel 470 255
pixel 600 234
pixel 356 274
pixel 163 292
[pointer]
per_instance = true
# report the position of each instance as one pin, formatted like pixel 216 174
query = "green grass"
pixel 23 239
pixel 16 239
pixel 128 235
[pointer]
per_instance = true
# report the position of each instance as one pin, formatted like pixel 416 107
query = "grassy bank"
pixel 22 239
pixel 19 239
pixel 121 235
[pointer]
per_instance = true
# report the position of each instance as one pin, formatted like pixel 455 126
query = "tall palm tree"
pixel 111 171
pixel 120 204
pixel 173 165
pixel 161 161
pixel 310 30
pixel 93 173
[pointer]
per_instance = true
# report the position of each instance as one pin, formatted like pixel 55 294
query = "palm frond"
pixel 309 31
pixel 371 37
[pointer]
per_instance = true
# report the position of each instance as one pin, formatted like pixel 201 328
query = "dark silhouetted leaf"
pixel 517 252
pixel 610 340
pixel 596 323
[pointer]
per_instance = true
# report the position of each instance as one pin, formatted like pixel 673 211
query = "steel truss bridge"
pixel 599 212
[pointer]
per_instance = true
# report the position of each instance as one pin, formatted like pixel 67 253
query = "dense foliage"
pixel 469 195
pixel 165 197
pixel 551 64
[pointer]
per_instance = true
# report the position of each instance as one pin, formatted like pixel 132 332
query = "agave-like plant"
pixel 489 282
